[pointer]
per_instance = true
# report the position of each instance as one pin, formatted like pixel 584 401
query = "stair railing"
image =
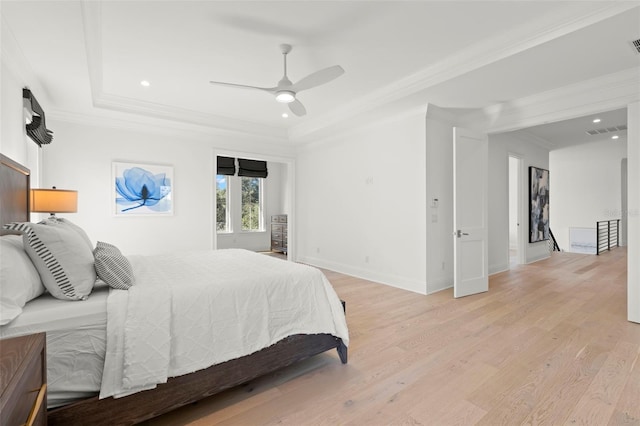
pixel 607 235
pixel 553 244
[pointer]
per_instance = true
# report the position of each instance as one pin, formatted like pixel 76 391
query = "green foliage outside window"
pixel 221 203
pixel 250 204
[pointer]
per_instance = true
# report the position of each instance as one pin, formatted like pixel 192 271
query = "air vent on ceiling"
pixel 612 129
pixel 636 45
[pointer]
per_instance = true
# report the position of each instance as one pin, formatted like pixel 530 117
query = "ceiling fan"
pixel 286 91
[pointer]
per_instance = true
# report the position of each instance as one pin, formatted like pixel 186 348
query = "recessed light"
pixel 596 120
pixel 615 137
pixel 145 83
pixel 285 115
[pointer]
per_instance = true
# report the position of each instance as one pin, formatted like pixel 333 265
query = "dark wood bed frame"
pixel 178 391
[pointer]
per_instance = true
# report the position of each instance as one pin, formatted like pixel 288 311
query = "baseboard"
pixel 392 280
pixel 439 285
pixel 538 258
pixel 497 268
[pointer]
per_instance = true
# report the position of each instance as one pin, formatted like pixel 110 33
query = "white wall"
pixel 585 186
pixel 80 158
pixel 14 142
pixel 360 202
pixel 13 139
pixel 500 146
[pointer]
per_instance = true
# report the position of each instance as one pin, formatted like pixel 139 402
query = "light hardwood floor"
pixel 548 344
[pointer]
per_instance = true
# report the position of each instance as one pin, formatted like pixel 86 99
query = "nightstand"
pixel 23 380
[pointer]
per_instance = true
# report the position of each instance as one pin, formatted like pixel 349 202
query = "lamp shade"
pixel 54 201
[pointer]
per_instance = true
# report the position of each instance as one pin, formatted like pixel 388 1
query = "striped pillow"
pixel 62 256
pixel 112 267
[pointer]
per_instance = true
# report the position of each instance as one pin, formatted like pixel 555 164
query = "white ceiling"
pixel 572 132
pixel 88 58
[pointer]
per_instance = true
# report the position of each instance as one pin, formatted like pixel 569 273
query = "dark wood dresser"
pixel 23 380
pixel 279 233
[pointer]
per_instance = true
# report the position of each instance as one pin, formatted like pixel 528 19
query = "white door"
pixel 470 212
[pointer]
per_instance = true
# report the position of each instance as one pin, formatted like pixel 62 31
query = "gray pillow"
pixel 62 254
pixel 112 267
pixel 59 221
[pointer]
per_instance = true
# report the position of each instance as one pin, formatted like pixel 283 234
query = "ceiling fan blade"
pixel 244 86
pixel 297 108
pixel 317 78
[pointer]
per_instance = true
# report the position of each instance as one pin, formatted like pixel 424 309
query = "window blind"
pixel 36 129
pixel 252 168
pixel 226 166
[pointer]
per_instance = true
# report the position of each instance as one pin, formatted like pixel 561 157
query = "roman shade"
pixel 226 166
pixel 252 168
pixel 36 128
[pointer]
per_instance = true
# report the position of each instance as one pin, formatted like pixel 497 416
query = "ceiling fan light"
pixel 285 96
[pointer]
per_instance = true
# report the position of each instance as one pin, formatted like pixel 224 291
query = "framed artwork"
pixel 142 189
pixel 538 204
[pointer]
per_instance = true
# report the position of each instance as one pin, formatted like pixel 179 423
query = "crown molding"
pixel 358 125
pixel 464 61
pixel 158 126
pixel 605 93
pixel 530 138
pixel 437 113
pixel 169 113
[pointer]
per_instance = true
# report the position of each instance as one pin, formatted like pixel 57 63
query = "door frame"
pixel 520 235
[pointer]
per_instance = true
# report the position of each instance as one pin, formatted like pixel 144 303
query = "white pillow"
pixel 62 254
pixel 19 279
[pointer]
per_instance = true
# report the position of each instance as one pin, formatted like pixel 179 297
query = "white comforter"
pixel 192 310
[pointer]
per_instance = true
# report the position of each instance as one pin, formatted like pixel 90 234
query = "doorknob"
pixel 459 233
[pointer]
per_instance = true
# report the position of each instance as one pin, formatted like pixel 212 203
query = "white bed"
pixel 186 312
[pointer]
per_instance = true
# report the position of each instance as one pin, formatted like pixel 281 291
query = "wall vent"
pixel 604 130
pixel 636 45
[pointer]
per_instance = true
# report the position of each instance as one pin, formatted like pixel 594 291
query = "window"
pixel 239 197
pixel 222 202
pixel 251 204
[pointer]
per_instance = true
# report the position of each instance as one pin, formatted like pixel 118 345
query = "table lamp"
pixel 54 201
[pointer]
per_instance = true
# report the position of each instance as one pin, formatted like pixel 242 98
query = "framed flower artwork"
pixel 142 189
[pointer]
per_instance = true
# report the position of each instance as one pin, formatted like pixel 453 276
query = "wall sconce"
pixel 54 201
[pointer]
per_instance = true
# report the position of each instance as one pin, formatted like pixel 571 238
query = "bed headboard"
pixel 15 183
